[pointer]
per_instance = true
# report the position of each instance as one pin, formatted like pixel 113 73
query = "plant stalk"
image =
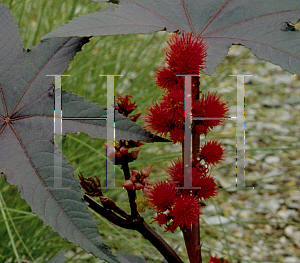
pixel 195 149
pixel 189 243
pixel 139 225
pixel 196 227
pixel 159 243
pixel 131 193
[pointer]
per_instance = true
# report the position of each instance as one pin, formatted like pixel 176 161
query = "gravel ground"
pixel 260 224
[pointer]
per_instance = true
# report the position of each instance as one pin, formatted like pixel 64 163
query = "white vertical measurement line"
pixel 187 132
pixel 110 131
pixel 187 162
pixel 244 138
pixel 57 132
pixel 240 132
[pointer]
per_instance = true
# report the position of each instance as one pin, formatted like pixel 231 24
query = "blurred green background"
pixel 137 57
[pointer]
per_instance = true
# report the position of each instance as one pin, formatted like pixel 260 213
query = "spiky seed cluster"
pixel 185 54
pixel 161 195
pixel 186 211
pixel 171 205
pixel 200 178
pixel 169 202
pixel 212 152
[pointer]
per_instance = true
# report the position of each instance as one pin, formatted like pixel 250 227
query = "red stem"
pixel 189 243
pixel 196 227
pixel 195 149
pixel 142 227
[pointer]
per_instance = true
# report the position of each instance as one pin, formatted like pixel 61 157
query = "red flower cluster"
pixel 212 152
pixel 168 115
pixel 185 54
pixel 185 212
pixel 171 205
pixel 162 195
pixel 209 105
pixel 174 207
pixel 200 178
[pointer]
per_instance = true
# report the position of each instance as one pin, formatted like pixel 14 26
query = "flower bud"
pixel 134 175
pixel 146 182
pixel 134 172
pixel 128 184
pixel 135 153
pixel 138 186
pixel 123 150
pixel 117 146
pixel 146 171
pixel 135 117
pixel 133 178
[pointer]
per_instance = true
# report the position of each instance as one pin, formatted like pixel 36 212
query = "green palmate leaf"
pixel 26 133
pixel 258 25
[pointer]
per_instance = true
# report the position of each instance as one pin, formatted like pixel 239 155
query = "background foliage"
pixel 136 57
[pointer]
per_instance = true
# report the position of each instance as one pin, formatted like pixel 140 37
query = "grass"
pixel 24 236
